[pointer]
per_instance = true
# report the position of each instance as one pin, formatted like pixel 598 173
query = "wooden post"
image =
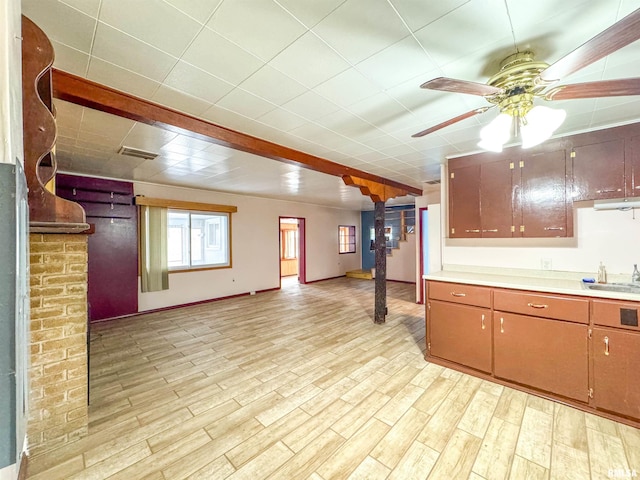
pixel 381 265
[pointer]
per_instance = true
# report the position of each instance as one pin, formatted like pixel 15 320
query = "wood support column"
pixel 381 264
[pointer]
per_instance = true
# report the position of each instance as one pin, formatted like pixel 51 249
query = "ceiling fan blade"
pixel 460 86
pixel 613 38
pixel 604 88
pixel 451 121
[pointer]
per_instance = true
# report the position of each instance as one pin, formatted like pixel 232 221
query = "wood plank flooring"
pixel 300 383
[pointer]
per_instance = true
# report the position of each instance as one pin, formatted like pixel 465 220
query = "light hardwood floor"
pixel 300 383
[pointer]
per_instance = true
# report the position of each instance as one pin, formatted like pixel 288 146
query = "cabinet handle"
pixel 606 345
pixel 537 305
pixel 553 228
pixel 455 294
pixel 477 230
pixel 493 230
pixel 501 325
pixel 609 190
pixel 482 321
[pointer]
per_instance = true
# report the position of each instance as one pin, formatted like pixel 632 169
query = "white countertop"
pixel 536 283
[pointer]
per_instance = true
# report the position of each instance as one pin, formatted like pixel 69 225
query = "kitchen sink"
pixel 614 287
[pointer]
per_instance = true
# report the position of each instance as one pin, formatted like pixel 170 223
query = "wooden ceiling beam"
pixel 376 191
pixel 78 90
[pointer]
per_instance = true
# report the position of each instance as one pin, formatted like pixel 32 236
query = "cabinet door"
pixel 632 167
pixel 550 355
pixel 543 196
pixel 464 202
pixel 598 171
pixel 460 333
pixel 496 196
pixel 616 377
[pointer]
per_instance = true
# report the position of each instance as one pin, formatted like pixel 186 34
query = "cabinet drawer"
pixel 460 293
pixel 541 305
pixel 616 314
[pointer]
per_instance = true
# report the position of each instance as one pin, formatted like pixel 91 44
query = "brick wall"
pixel 58 410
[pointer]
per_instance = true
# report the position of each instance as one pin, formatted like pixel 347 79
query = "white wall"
pixel 607 236
pixel 11 132
pixel 255 246
pixel 401 264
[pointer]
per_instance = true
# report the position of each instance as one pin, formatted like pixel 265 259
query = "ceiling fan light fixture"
pixel 539 124
pixel 494 135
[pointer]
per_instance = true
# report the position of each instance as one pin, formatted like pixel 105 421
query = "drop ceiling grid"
pixel 363 102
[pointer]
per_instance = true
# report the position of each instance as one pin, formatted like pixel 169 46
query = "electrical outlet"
pixel 545 264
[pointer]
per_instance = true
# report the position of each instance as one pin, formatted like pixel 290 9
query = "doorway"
pixel 424 248
pixel 292 251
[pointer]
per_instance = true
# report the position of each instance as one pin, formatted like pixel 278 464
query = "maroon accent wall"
pixel 113 247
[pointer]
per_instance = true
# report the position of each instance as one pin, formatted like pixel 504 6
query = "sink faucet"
pixel 635 276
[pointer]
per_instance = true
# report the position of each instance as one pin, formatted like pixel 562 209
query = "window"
pixel 289 244
pixel 347 238
pixel 198 240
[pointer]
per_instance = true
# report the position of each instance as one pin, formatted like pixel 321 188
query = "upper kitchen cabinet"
pixel 543 206
pixel 464 202
pixel 632 167
pixel 480 197
pixel 598 170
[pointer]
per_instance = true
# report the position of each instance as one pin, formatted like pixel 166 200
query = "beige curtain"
pixel 153 249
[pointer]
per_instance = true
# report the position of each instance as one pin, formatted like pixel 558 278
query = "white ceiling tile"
pixel 309 61
pixel 218 56
pixel 227 118
pixel 347 88
pixel 180 101
pixel 266 32
pixel 152 21
pixel 70 60
pixel 121 79
pixel 196 82
pixel 245 103
pixel 282 119
pixel 199 10
pixel 398 63
pixel 418 13
pixel 311 105
pixel 310 12
pixel 147 137
pixel 76 31
pixel 90 7
pixel 130 53
pixel 360 28
pixel 94 121
pixel 273 85
pixel 468 28
pixel 381 110
pixel 345 123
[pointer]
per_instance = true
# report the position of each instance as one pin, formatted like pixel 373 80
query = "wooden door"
pixel 464 202
pixel 543 196
pixel 616 376
pixel 550 355
pixel 496 205
pixel 460 333
pixel 113 247
pixel 598 171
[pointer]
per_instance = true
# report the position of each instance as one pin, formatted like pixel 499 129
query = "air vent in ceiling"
pixel 433 182
pixel 134 152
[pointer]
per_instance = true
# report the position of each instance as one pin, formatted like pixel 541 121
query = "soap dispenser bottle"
pixel 635 276
pixel 602 274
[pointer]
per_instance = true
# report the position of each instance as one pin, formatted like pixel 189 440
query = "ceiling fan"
pixel 521 79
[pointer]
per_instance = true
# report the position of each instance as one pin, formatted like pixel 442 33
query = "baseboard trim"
pixel 190 304
pixel 325 279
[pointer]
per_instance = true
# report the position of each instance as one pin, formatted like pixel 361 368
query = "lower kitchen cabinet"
pixel 461 334
pixel 549 355
pixel 616 371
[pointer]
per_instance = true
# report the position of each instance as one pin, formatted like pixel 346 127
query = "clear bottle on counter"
pixel 635 276
pixel 602 273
